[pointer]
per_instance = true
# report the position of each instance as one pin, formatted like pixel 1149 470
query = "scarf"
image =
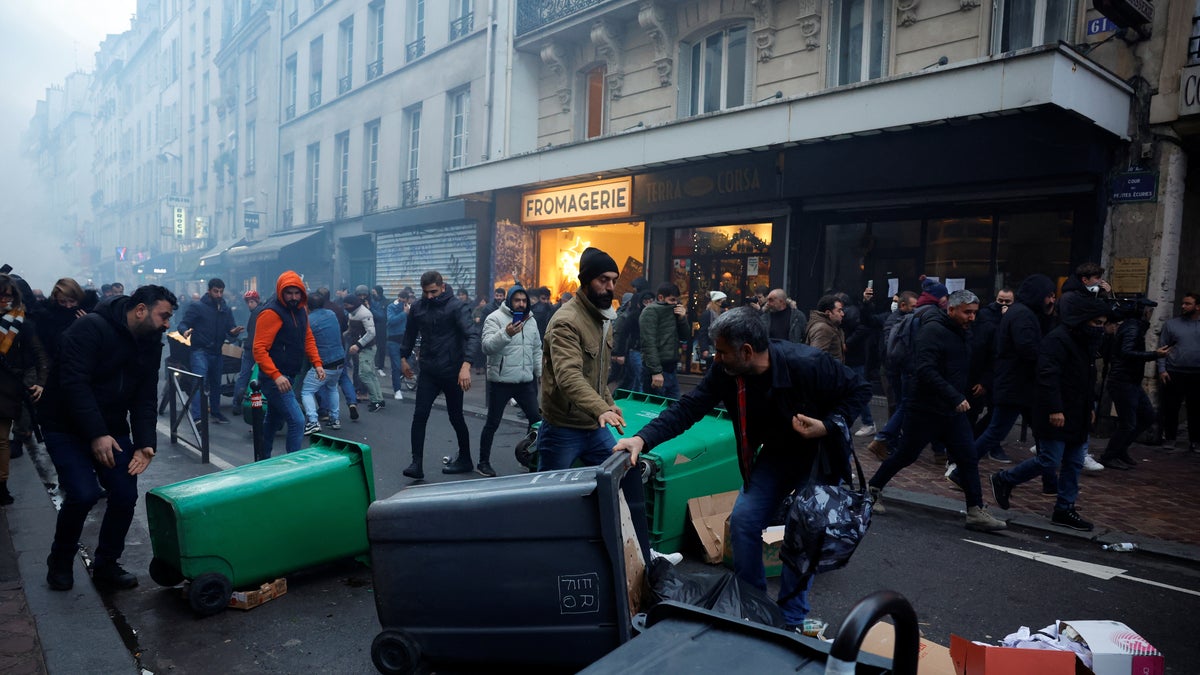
pixel 10 327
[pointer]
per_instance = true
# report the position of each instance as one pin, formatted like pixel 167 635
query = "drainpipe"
pixel 1165 272
pixel 487 79
pixel 508 72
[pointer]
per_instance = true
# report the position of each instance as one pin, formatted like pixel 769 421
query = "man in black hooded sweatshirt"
pixel 1064 408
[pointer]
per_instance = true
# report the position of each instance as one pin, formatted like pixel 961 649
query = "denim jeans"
pixel 208 365
pixel 81 478
pixel 429 385
pixel 1052 455
pixel 632 376
pixel 772 478
pixel 366 359
pixel 346 383
pixel 393 354
pixel 867 420
pixel 526 396
pixel 559 447
pixel 1003 419
pixel 1135 415
pixel 243 377
pixel 921 428
pixel 326 390
pixel 281 408
pixel 890 433
pixel 670 388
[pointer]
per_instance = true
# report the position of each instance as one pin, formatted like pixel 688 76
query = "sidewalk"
pixel 43 631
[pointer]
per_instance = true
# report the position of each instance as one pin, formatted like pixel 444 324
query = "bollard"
pixel 256 419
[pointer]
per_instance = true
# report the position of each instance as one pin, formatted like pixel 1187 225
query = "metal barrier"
pixel 185 386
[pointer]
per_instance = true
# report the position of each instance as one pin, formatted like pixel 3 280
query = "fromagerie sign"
pixel 584 201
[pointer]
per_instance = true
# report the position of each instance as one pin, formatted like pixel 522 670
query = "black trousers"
pixel 1183 388
pixel 1134 415
pixel 429 385
pixel 524 393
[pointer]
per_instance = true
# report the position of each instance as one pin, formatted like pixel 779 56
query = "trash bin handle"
pixel 867 613
pixel 608 488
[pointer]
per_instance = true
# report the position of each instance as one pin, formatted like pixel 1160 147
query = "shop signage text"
pixel 1129 275
pixel 1189 91
pixel 586 201
pixel 1135 186
pixel 180 223
pixel 709 184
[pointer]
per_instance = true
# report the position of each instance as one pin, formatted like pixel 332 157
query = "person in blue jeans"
pixel 208 324
pixel 98 414
pixel 397 323
pixel 327 333
pixel 282 339
pixel 253 302
pixel 783 399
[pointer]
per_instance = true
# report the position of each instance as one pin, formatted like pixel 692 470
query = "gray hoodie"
pixel 1183 336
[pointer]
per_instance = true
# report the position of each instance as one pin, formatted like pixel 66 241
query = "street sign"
pixel 180 222
pixel 250 220
pixel 1135 186
pixel 1101 25
pixel 121 251
pixel 176 200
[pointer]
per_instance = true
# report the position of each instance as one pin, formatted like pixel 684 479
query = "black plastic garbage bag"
pixel 717 589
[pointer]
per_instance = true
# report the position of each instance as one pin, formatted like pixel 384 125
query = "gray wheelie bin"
pixel 536 570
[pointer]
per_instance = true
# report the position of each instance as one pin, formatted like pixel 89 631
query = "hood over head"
pixel 290 279
pixel 1033 291
pixel 517 288
pixel 1079 313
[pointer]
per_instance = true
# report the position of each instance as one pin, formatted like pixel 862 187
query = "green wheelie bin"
pixel 260 521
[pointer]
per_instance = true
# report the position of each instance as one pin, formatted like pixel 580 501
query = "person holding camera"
pixel 513 347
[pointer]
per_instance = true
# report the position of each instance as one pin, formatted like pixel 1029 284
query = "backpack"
pixel 901 342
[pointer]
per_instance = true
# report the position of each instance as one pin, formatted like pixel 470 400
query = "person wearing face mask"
pixel 983 357
pixel 1063 411
pixel 1135 414
pixel 1087 282
pixel 98 415
pixel 1179 372
pixel 282 340
pixel 23 369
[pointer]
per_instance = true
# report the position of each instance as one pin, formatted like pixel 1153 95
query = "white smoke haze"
pixel 41 42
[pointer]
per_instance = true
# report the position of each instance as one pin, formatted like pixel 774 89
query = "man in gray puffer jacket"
pixel 513 347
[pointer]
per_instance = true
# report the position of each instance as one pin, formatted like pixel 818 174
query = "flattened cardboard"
pixel 708 515
pixel 932 658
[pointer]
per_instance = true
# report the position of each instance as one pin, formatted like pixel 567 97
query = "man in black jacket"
pixel 209 323
pixel 1135 414
pixel 99 419
pixel 783 398
pixel 983 357
pixel 448 339
pixel 1064 408
pixel 937 403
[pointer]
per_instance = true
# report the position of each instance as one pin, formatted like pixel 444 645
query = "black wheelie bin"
pixel 511 573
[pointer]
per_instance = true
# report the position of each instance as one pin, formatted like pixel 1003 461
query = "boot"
pixel 876 499
pixel 5 497
pixel 414 470
pixel 979 520
pixel 1113 462
pixel 461 464
pixel 879 449
pixel 111 576
pixel 60 573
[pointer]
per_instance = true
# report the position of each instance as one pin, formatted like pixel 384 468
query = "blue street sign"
pixel 1135 186
pixel 1101 25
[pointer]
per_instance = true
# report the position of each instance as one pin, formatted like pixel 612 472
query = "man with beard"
pixel 1064 408
pixel 825 327
pixel 782 398
pixel 448 339
pixel 577 407
pixel 282 339
pixel 1179 371
pixel 208 324
pixel 99 420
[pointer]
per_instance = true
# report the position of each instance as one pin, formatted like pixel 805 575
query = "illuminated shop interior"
pixel 559 249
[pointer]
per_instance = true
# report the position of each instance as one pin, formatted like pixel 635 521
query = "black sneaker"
pixel 955 479
pixel 414 471
pixel 485 469
pixel 311 428
pixel 353 412
pixel 999 455
pixel 219 418
pixel 1115 463
pixel 112 575
pixel 60 575
pixel 1070 518
pixel 1001 491
pixel 375 407
pixel 458 466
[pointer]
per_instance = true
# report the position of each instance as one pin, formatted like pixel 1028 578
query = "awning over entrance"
pixel 1049 76
pixel 270 248
pixel 160 265
pixel 213 255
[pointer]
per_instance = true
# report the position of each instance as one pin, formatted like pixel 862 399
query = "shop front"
pixel 258 264
pixel 443 236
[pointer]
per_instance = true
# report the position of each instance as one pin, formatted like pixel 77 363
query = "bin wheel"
pixel 210 594
pixel 164 573
pixel 526 451
pixel 396 653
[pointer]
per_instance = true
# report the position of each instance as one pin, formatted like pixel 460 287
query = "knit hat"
pixel 717 296
pixel 362 289
pixel 593 263
pixel 352 301
pixel 250 295
pixel 934 288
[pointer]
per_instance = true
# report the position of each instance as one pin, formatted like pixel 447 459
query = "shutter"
pixel 403 256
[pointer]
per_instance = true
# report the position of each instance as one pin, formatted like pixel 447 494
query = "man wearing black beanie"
pixel 577 406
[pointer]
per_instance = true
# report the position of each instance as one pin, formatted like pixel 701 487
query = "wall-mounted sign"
pixel 121 252
pixel 201 227
pixel 584 201
pixel 250 220
pixel 180 222
pixel 1189 91
pixel 1130 275
pixel 1135 186
pixel 1101 25
pixel 1126 13
pixel 726 182
pixel 176 200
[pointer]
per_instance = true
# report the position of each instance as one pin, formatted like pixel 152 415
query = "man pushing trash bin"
pixel 783 398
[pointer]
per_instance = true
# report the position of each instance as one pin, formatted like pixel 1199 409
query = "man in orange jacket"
pixel 282 338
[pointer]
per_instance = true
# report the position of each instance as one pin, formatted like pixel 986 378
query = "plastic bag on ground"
pixel 717 589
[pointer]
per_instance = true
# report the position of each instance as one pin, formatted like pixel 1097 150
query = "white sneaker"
pixel 399 395
pixel 1033 449
pixel 379 372
pixel 868 430
pixel 512 402
pixel 1090 464
pixel 673 558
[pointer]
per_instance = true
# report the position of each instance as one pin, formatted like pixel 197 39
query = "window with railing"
pixel 414 49
pixel 312 213
pixel 345 55
pixel 410 191
pixel 464 22
pixel 313 190
pixel 416 32
pixel 370 200
pixel 534 14
pixel 460 104
pixel 288 174
pixel 339 207
pixel 413 151
pixel 317 5
pixel 251 72
pixel 374 69
pixel 371 155
pixel 288 218
pixel 289 87
pixel 316 59
pixel 1194 40
pixel 248 144
pixel 375 47
pixel 342 143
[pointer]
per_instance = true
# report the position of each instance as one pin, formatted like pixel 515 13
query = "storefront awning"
pixel 1047 76
pixel 213 255
pixel 160 265
pixel 270 248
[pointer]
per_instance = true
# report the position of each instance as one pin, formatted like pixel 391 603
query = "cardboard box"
pixel 708 515
pixel 971 658
pixel 772 541
pixel 264 593
pixel 1116 648
pixel 232 351
pixel 932 658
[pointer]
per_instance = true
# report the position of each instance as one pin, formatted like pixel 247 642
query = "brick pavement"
pixel 20 647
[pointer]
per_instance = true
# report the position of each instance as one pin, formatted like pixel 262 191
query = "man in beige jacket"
pixel 825 327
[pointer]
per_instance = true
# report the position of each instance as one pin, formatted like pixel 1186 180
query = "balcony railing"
pixel 415 49
pixel 314 99
pixel 312 213
pixel 344 84
pixel 370 200
pixel 339 207
pixel 293 19
pixel 251 92
pixel 287 217
pixel 462 26
pixel 374 69
pixel 1194 42
pixel 410 191
pixel 289 112
pixel 534 14
pixel 249 166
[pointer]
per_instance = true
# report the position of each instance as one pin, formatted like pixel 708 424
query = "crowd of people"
pixel 958 374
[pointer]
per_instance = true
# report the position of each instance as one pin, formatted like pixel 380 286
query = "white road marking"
pixel 213 458
pixel 1091 569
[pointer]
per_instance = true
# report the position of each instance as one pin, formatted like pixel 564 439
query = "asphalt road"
pixel 327 620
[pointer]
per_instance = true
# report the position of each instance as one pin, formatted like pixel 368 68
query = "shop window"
pixel 733 259
pixel 460 103
pixel 1033 243
pixel 861 30
pixel 559 250
pixel 1029 23
pixel 1194 41
pixel 718 68
pixel 596 102
pixel 959 251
